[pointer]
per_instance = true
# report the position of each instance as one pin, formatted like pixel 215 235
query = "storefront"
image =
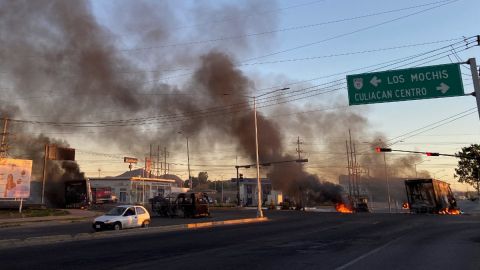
pixel 132 189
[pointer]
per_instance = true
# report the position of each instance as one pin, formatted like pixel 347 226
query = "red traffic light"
pixel 380 149
pixel 431 154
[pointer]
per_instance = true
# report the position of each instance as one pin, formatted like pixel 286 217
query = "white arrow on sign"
pixel 443 88
pixel 375 81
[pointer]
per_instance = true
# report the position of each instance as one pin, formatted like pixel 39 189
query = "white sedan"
pixel 123 216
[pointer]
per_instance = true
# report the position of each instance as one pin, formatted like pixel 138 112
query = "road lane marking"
pixel 345 266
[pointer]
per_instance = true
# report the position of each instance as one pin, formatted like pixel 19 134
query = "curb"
pixel 28 222
pixel 44 240
pixel 225 222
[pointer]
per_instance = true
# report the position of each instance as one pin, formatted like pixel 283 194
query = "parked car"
pixel 122 217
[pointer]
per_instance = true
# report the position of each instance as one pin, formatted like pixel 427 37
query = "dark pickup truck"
pixel 189 204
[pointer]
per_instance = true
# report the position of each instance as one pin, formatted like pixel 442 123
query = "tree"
pixel 203 177
pixel 468 170
pixel 199 181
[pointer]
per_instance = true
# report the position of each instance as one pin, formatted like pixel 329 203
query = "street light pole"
pixel 188 161
pixel 188 165
pixel 259 184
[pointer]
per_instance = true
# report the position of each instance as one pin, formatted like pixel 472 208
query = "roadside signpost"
pixel 130 160
pixel 405 84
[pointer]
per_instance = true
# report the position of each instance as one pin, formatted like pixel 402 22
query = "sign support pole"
pixel 44 173
pixel 476 81
pixel 21 205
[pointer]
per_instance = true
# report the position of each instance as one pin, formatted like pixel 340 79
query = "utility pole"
pixel 299 150
pixel 221 180
pixel 44 176
pixel 353 163
pixel 356 171
pixel 4 145
pixel 238 181
pixel 476 80
pixel 349 171
pixel 165 153
pixel 158 160
pixel 188 166
pixel 388 185
pixel 150 170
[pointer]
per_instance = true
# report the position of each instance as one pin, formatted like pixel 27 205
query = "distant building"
pixel 248 192
pixel 134 186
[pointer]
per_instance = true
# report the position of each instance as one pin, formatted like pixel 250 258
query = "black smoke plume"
pixel 61 64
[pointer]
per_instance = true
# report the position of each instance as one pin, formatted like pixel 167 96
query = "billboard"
pixel 15 175
pixel 55 152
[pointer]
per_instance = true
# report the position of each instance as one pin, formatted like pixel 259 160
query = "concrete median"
pixel 44 240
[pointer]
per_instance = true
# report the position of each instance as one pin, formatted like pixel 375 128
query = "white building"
pixel 248 192
pixel 128 188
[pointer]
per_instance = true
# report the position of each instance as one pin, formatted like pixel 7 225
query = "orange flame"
pixel 406 205
pixel 448 211
pixel 342 208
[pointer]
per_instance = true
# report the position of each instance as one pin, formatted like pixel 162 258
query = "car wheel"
pixel 146 224
pixel 117 226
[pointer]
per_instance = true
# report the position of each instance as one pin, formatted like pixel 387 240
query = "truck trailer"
pixel 430 196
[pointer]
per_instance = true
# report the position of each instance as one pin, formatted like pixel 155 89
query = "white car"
pixel 121 217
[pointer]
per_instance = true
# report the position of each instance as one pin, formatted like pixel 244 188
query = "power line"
pixel 49 95
pixel 289 97
pixel 351 32
pixel 273 31
pixel 230 18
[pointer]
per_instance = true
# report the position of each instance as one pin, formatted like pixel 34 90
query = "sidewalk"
pixel 74 214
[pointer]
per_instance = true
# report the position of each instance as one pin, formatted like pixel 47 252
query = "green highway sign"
pixel 405 84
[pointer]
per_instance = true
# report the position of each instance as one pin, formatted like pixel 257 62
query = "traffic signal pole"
pixel 476 81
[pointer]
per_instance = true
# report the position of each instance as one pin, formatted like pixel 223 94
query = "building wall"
pixel 128 191
pixel 248 193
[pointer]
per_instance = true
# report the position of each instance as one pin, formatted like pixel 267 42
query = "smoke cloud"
pixel 61 63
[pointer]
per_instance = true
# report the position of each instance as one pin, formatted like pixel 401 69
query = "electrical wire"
pixel 273 31
pixel 350 33
pixel 223 108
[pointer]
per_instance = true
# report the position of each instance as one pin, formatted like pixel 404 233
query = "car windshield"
pixel 117 211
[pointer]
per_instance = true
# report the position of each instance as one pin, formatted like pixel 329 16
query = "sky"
pixel 320 34
pixel 301 44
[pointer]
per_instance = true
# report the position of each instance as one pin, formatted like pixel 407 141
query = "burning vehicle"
pixel 430 196
pixel 353 204
pixel 190 204
pixel 76 194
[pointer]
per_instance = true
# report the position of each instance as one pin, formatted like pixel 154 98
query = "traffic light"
pixel 380 149
pixel 432 154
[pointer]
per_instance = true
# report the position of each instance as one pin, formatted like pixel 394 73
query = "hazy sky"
pixel 320 32
pixel 285 42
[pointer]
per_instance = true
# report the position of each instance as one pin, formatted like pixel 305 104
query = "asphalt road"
pixel 291 240
pixel 76 227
